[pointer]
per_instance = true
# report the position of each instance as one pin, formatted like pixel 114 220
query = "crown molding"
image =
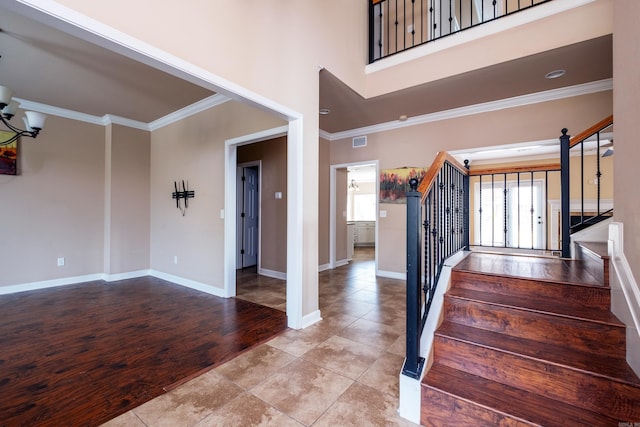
pixel 108 119
pixel 196 107
pixel 517 101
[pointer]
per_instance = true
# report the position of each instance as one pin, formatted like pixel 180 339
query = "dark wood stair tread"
pixel 528 267
pixel 552 307
pixel 612 368
pixel 508 400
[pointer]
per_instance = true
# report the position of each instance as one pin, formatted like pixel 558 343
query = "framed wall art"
pixel 394 183
pixel 8 155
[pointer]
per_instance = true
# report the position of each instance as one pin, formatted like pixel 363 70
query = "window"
pixel 364 207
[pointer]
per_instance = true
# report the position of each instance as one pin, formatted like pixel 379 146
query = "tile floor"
pixel 341 371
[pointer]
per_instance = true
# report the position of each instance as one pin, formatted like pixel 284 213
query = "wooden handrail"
pixel 588 132
pixel 433 170
pixel 515 169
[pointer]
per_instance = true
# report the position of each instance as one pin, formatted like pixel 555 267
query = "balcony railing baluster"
pixel 435 19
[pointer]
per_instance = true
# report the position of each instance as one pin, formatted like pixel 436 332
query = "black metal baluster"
pixel 505 193
pixel 532 212
pixel 598 173
pixel 581 182
pixel 413 22
pixel 565 195
pixel 396 27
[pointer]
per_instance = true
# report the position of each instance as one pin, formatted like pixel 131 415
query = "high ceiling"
pixel 583 62
pixel 45 65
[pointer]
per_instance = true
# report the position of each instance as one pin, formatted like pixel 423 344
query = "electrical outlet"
pixel 410 28
pixel 60 261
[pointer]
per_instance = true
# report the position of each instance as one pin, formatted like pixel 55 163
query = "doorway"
pixel 248 215
pixel 353 212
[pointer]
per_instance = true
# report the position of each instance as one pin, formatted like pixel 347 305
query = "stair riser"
pixel 577 388
pixel 578 334
pixel 442 409
pixel 572 295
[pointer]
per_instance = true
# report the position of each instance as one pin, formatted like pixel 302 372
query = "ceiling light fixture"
pixel 324 111
pixel 403 118
pixel 555 74
pixel 353 185
pixel 33 120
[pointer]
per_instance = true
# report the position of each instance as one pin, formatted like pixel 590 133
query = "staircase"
pixel 529 341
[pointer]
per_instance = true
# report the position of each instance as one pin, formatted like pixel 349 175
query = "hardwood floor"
pixel 83 354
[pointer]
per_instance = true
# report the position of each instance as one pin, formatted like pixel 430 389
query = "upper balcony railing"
pixel 398 25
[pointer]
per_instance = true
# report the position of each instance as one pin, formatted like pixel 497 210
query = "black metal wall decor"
pixel 184 194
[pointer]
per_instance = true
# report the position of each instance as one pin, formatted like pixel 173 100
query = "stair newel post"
pixel 466 206
pixel 565 214
pixel 413 362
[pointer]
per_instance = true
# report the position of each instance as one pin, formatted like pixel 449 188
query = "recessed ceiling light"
pixel 402 118
pixel 555 74
pixel 324 111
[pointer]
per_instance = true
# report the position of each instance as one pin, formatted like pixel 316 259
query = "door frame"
pixel 253 163
pixel 332 209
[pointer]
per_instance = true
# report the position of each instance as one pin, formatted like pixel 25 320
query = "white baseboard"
pixel 311 318
pixel 273 273
pixel 198 286
pixel 324 267
pixel 391 274
pixel 625 294
pixel 34 286
pixel 341 262
pixel 124 276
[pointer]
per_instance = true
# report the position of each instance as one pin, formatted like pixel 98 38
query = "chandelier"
pixel 33 121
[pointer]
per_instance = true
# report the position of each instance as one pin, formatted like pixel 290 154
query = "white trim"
pixel 34 286
pixel 124 276
pixel 311 318
pixel 478 32
pixel 272 273
pixel 189 110
pixel 501 104
pixel 625 294
pixel 391 274
pixel 295 226
pixel 198 286
pixel 341 262
pixel 324 267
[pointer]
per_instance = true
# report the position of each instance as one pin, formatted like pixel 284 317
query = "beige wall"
pixel 128 191
pixel 323 196
pixel 273 212
pixel 55 207
pixel 626 109
pixel 418 145
pixel 193 150
pixel 341 210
